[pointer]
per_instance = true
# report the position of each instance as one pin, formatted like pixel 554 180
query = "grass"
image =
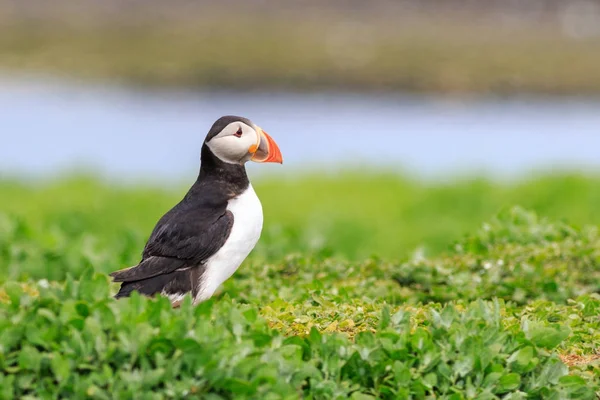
pixel 335 302
pixel 299 52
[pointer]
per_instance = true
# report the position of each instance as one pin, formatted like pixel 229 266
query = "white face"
pixel 233 144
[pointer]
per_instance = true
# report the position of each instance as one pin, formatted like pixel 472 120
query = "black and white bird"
pixel 202 241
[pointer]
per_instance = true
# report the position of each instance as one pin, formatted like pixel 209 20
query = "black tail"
pixel 154 275
pixel 177 282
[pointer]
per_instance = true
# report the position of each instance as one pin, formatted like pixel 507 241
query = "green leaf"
pixel 82 309
pixel 552 371
pixel 507 383
pixel 30 358
pixel 523 360
pixel 239 387
pixel 572 381
pixel 515 396
pixel 491 379
pixel 430 380
pixel 464 365
pixel 385 318
pixel 420 339
pixel 61 367
pixel 314 336
pixel 251 315
pixel 260 339
pixel 401 373
pixel 548 336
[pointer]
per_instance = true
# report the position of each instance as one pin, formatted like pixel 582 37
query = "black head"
pixel 222 123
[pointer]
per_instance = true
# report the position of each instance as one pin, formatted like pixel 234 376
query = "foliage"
pixel 515 257
pixel 72 340
pixel 491 317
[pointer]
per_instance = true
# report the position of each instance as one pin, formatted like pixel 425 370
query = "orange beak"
pixel 267 150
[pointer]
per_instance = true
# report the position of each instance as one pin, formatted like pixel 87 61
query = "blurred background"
pixel 129 88
pixel 413 120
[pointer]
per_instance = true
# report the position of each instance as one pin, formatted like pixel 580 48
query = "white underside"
pixel 247 226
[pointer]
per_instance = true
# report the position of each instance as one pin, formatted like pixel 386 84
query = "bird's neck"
pixel 212 168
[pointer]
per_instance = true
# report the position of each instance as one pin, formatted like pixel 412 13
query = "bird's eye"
pixel 238 133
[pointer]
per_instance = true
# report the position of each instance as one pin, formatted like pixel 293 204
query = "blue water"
pixel 51 127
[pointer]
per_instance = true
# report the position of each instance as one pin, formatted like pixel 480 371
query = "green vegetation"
pixel 508 311
pixel 79 222
pixel 325 52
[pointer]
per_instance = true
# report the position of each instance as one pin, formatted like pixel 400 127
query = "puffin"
pixel 202 241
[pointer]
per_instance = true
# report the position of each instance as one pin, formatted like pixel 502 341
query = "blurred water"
pixel 49 127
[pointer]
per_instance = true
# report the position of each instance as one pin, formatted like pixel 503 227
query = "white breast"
pixel 247 226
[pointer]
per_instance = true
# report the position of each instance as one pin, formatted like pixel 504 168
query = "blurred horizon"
pixel 504 12
pixel 459 47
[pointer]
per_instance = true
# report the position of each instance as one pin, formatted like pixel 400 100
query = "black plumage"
pixel 192 231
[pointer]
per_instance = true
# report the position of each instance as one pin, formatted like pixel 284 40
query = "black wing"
pixel 191 236
pixel 183 238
